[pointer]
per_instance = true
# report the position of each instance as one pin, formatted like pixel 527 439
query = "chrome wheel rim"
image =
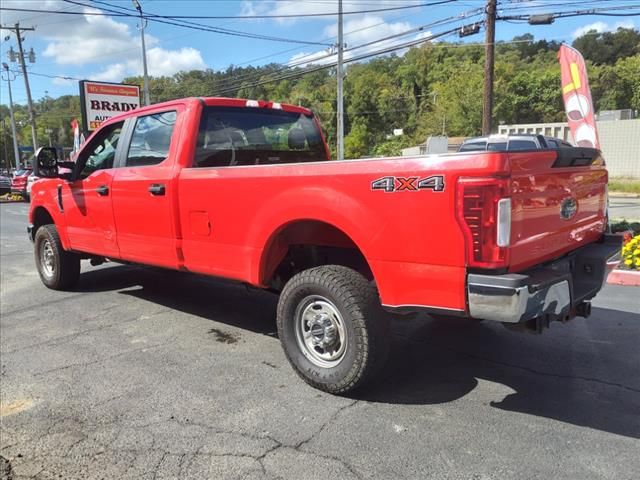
pixel 320 331
pixel 47 258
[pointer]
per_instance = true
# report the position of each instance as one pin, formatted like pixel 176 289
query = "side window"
pixel 473 147
pixel 151 139
pixel 101 152
pixel 522 145
pixel 497 147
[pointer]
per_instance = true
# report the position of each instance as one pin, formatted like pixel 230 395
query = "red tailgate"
pixel 558 204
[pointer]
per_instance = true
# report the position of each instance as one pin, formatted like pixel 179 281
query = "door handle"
pixel 103 190
pixel 156 189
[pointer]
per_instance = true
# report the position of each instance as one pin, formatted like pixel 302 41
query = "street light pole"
pixel 143 24
pixel 340 75
pixel 16 154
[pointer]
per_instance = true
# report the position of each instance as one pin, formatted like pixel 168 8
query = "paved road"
pixel 628 208
pixel 151 375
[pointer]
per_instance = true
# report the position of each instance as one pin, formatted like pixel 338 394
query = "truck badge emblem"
pixel 568 208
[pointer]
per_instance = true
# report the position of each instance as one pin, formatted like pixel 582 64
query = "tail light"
pixel 484 213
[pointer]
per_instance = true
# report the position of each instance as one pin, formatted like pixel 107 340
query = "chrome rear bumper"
pixel 555 291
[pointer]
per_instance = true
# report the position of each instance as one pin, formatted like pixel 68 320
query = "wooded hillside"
pixel 434 87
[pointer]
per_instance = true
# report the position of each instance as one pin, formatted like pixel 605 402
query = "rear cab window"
pixel 240 136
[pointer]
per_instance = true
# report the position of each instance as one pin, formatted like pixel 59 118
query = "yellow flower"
pixel 628 262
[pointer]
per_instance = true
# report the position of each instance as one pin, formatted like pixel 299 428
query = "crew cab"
pixel 246 190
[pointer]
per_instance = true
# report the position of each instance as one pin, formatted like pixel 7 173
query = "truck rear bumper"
pixel 555 291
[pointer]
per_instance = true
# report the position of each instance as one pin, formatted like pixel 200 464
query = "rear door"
pixel 143 191
pixel 86 201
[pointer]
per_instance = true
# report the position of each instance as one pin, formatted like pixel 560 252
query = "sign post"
pixel 100 101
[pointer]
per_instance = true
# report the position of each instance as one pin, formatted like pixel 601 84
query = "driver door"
pixel 87 199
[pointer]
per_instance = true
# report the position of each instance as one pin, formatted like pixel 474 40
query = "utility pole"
pixel 143 24
pixel 490 38
pixel 340 75
pixel 16 154
pixel 32 114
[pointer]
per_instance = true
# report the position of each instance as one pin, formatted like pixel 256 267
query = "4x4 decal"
pixel 409 184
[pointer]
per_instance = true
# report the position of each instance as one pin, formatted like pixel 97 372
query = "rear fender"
pixel 328 206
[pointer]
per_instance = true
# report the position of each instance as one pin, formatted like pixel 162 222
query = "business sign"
pixel 100 101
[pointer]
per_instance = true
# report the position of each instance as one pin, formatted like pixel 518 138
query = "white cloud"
pixel 363 30
pixel 601 27
pixel 79 40
pixel 160 62
pixel 168 62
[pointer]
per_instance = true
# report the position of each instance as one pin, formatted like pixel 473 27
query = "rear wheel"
pixel 58 269
pixel 332 328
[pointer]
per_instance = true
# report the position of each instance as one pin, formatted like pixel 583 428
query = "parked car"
pixel 5 184
pixel 246 190
pixel 19 182
pixel 520 141
pixel 31 179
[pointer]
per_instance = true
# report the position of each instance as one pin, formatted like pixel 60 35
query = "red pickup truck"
pixel 246 190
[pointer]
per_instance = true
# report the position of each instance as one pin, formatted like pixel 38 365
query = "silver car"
pixel 520 141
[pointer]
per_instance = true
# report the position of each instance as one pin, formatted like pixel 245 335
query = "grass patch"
pixel 626 185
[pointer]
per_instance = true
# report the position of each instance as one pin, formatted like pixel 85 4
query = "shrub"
pixel 631 252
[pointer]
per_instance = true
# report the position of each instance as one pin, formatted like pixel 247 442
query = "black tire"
pixel 61 270
pixel 364 324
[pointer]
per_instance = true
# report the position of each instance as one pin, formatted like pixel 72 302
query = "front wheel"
pixel 58 269
pixel 332 328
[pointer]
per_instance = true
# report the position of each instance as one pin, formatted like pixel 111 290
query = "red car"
pixel 246 190
pixel 19 182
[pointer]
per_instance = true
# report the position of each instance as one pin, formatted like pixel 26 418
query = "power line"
pixel 311 59
pixel 231 17
pixel 605 11
pixel 350 60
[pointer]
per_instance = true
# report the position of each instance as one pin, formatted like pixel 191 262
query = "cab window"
pixel 522 145
pixel 101 152
pixel 151 139
pixel 473 146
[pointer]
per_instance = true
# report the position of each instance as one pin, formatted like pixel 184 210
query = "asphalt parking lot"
pixel 141 373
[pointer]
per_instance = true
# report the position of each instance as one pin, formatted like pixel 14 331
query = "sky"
pixel 108 48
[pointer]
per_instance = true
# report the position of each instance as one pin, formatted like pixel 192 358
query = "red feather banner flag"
pixel 577 97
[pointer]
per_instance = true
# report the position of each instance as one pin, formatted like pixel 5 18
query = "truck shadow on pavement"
pixel 562 374
pixel 583 373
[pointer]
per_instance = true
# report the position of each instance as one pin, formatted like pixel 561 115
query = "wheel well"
pixel 305 244
pixel 41 217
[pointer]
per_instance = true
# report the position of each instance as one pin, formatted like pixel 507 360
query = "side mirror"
pixel 46 163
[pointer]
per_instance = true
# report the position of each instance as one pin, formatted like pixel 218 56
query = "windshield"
pixel 231 136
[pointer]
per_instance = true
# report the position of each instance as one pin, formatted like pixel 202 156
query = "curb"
pixel 623 195
pixel 629 278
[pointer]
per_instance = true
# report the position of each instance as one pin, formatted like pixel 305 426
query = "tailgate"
pixel 558 203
